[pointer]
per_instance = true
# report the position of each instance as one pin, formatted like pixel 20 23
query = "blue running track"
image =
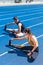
pixel 31 16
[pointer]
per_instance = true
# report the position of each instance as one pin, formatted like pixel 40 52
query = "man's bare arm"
pixel 10 23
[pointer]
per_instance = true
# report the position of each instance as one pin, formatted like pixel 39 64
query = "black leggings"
pixel 29 48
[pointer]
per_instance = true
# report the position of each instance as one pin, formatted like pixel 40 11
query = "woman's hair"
pixel 15 18
pixel 27 30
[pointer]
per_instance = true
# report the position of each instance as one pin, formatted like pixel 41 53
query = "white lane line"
pixel 40 36
pixel 2 35
pixel 6 52
pixel 2 25
pixel 25 20
pixel 22 10
pixel 35 25
pixel 21 44
pixel 13 13
pixel 28 27
pixel 22 15
pixel 6 18
pixel 32 18
pixel 31 14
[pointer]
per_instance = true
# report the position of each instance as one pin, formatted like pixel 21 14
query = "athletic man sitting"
pixel 19 24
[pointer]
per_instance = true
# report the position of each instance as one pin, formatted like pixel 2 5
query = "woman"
pixel 31 40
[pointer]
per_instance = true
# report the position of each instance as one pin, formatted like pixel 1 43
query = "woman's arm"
pixel 35 44
pixel 34 48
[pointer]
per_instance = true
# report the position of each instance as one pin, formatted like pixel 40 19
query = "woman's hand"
pixel 29 54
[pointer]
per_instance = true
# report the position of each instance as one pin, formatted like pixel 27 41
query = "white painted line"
pixel 31 14
pixel 21 44
pixel 6 18
pixel 21 10
pixel 40 36
pixel 2 35
pixel 2 25
pixel 6 52
pixel 25 20
pixel 13 13
pixel 22 15
pixel 24 43
pixel 35 25
pixel 32 18
pixel 27 27
pixel 3 53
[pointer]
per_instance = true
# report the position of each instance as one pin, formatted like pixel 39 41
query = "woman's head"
pixel 27 31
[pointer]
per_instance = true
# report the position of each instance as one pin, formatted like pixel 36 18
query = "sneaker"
pixel 9 42
pixel 5 27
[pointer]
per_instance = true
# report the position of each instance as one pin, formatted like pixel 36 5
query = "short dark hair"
pixel 15 18
pixel 27 30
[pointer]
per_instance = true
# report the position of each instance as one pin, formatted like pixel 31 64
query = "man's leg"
pixel 10 30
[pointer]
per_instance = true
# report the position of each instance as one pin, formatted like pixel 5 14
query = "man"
pixel 29 1
pixel 31 40
pixel 19 24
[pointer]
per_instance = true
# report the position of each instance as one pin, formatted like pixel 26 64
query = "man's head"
pixel 15 18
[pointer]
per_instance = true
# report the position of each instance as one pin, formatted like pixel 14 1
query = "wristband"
pixel 31 52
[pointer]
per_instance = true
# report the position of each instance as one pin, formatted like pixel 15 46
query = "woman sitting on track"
pixel 19 24
pixel 31 40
